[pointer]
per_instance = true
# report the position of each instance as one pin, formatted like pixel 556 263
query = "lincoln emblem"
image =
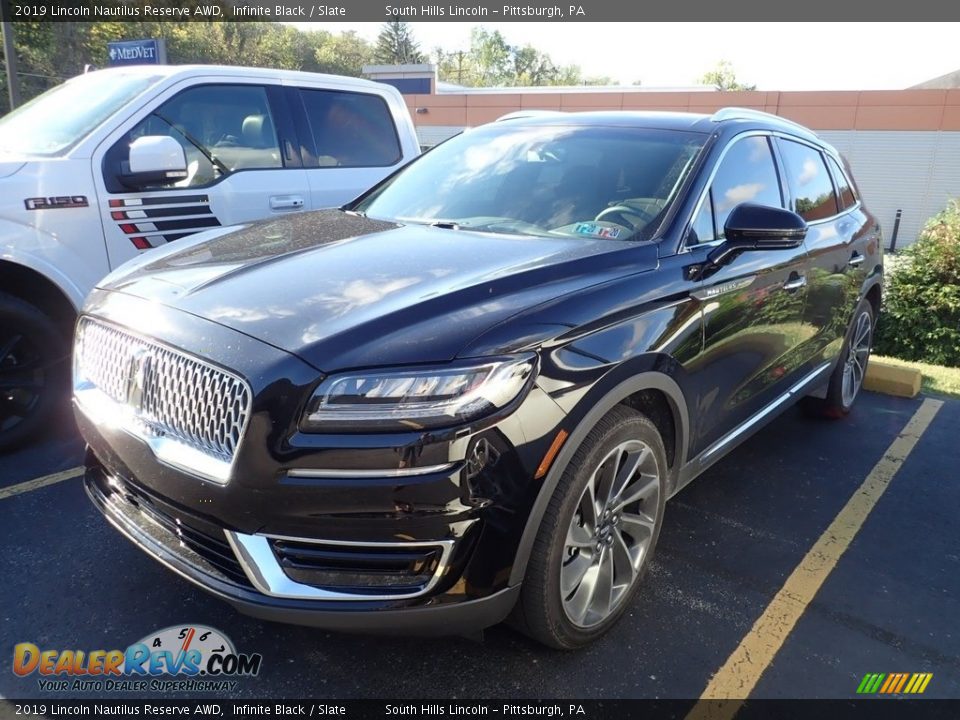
pixel 136 377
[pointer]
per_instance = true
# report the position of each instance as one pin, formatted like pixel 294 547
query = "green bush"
pixel 921 305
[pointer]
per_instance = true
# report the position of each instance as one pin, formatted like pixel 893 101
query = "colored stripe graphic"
pixel 173 200
pixel 894 683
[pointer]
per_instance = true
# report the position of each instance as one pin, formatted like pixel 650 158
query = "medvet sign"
pixel 138 52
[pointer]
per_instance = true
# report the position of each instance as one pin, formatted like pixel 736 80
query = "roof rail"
pixel 517 114
pixel 738 113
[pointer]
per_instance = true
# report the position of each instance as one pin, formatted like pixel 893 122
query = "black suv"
pixel 468 394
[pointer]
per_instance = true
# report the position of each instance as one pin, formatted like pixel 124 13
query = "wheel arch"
pixel 35 288
pixel 653 393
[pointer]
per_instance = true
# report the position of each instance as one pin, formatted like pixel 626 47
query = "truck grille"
pixel 164 393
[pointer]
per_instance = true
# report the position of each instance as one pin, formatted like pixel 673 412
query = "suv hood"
pixel 344 291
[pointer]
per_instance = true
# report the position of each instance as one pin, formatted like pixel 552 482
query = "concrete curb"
pixel 892 379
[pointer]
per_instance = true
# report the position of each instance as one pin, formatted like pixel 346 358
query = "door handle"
pixel 795 283
pixel 286 202
pixel 856 259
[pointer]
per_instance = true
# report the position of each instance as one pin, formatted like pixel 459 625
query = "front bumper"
pixel 201 558
pixel 307 501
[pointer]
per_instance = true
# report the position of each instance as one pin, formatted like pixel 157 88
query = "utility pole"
pixel 10 55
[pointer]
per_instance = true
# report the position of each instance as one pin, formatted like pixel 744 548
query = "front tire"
pixel 33 370
pixel 598 533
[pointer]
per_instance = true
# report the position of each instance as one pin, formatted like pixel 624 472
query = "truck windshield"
pixel 60 118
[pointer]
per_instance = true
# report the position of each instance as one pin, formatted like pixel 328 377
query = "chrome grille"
pixel 171 395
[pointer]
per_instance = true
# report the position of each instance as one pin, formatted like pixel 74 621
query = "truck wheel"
pixel 33 370
pixel 598 534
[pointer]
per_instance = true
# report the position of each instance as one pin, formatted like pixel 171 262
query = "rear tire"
pixel 33 370
pixel 847 377
pixel 597 535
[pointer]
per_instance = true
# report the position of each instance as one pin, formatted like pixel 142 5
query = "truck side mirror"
pixel 154 160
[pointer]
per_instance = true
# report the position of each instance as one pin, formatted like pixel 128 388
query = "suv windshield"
pixel 55 121
pixel 592 182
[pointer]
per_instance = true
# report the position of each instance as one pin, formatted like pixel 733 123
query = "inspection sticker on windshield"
pixel 597 231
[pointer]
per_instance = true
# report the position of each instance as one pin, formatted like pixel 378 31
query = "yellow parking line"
pixel 739 675
pixel 40 482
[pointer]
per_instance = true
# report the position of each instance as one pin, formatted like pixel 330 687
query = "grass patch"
pixel 936 378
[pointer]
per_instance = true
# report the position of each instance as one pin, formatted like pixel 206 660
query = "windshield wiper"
pixel 445 224
pixel 196 143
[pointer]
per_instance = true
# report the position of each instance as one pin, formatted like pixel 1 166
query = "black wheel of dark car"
pixel 598 533
pixel 847 377
pixel 32 370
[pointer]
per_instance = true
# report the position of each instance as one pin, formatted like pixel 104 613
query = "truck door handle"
pixel 856 259
pixel 795 283
pixel 286 202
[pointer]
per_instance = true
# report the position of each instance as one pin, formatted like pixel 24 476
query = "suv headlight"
pixel 416 398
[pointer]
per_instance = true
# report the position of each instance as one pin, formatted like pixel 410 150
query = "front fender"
pixel 646 372
pixel 43 263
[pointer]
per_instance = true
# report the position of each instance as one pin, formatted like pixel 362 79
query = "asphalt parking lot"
pixel 730 543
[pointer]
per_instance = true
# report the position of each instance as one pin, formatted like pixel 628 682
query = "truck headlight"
pixel 416 398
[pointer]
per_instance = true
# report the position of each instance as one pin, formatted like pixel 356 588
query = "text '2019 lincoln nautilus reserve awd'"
pixel 469 393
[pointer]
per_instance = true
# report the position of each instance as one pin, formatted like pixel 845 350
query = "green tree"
pixel 491 61
pixel 492 58
pixel 344 54
pixel 49 53
pixel 396 45
pixel 723 77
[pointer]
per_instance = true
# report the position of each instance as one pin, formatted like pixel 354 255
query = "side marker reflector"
pixel 551 454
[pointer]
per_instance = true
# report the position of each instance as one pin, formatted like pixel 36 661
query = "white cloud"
pixel 739 194
pixel 809 172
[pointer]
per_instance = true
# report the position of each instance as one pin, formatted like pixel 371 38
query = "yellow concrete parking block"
pixel 892 379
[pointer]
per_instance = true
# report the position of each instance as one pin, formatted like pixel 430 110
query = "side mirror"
pixel 154 160
pixel 758 227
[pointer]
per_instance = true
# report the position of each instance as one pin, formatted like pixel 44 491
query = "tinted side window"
pixel 809 182
pixel 351 129
pixel 747 173
pixel 222 129
pixel 845 192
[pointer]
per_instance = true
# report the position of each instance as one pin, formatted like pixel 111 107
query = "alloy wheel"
pixel 857 355
pixel 610 533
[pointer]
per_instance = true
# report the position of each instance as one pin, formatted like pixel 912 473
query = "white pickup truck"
pixel 115 162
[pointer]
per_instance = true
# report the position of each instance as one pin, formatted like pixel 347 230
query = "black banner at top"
pixel 480 11
pixel 508 709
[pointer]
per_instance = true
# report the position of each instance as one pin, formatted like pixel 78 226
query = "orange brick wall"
pixel 821 110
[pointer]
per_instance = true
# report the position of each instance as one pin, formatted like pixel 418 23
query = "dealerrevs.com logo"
pixel 187 658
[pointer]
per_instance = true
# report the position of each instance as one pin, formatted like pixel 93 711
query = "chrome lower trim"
pixel 380 473
pixel 260 564
pixel 730 437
